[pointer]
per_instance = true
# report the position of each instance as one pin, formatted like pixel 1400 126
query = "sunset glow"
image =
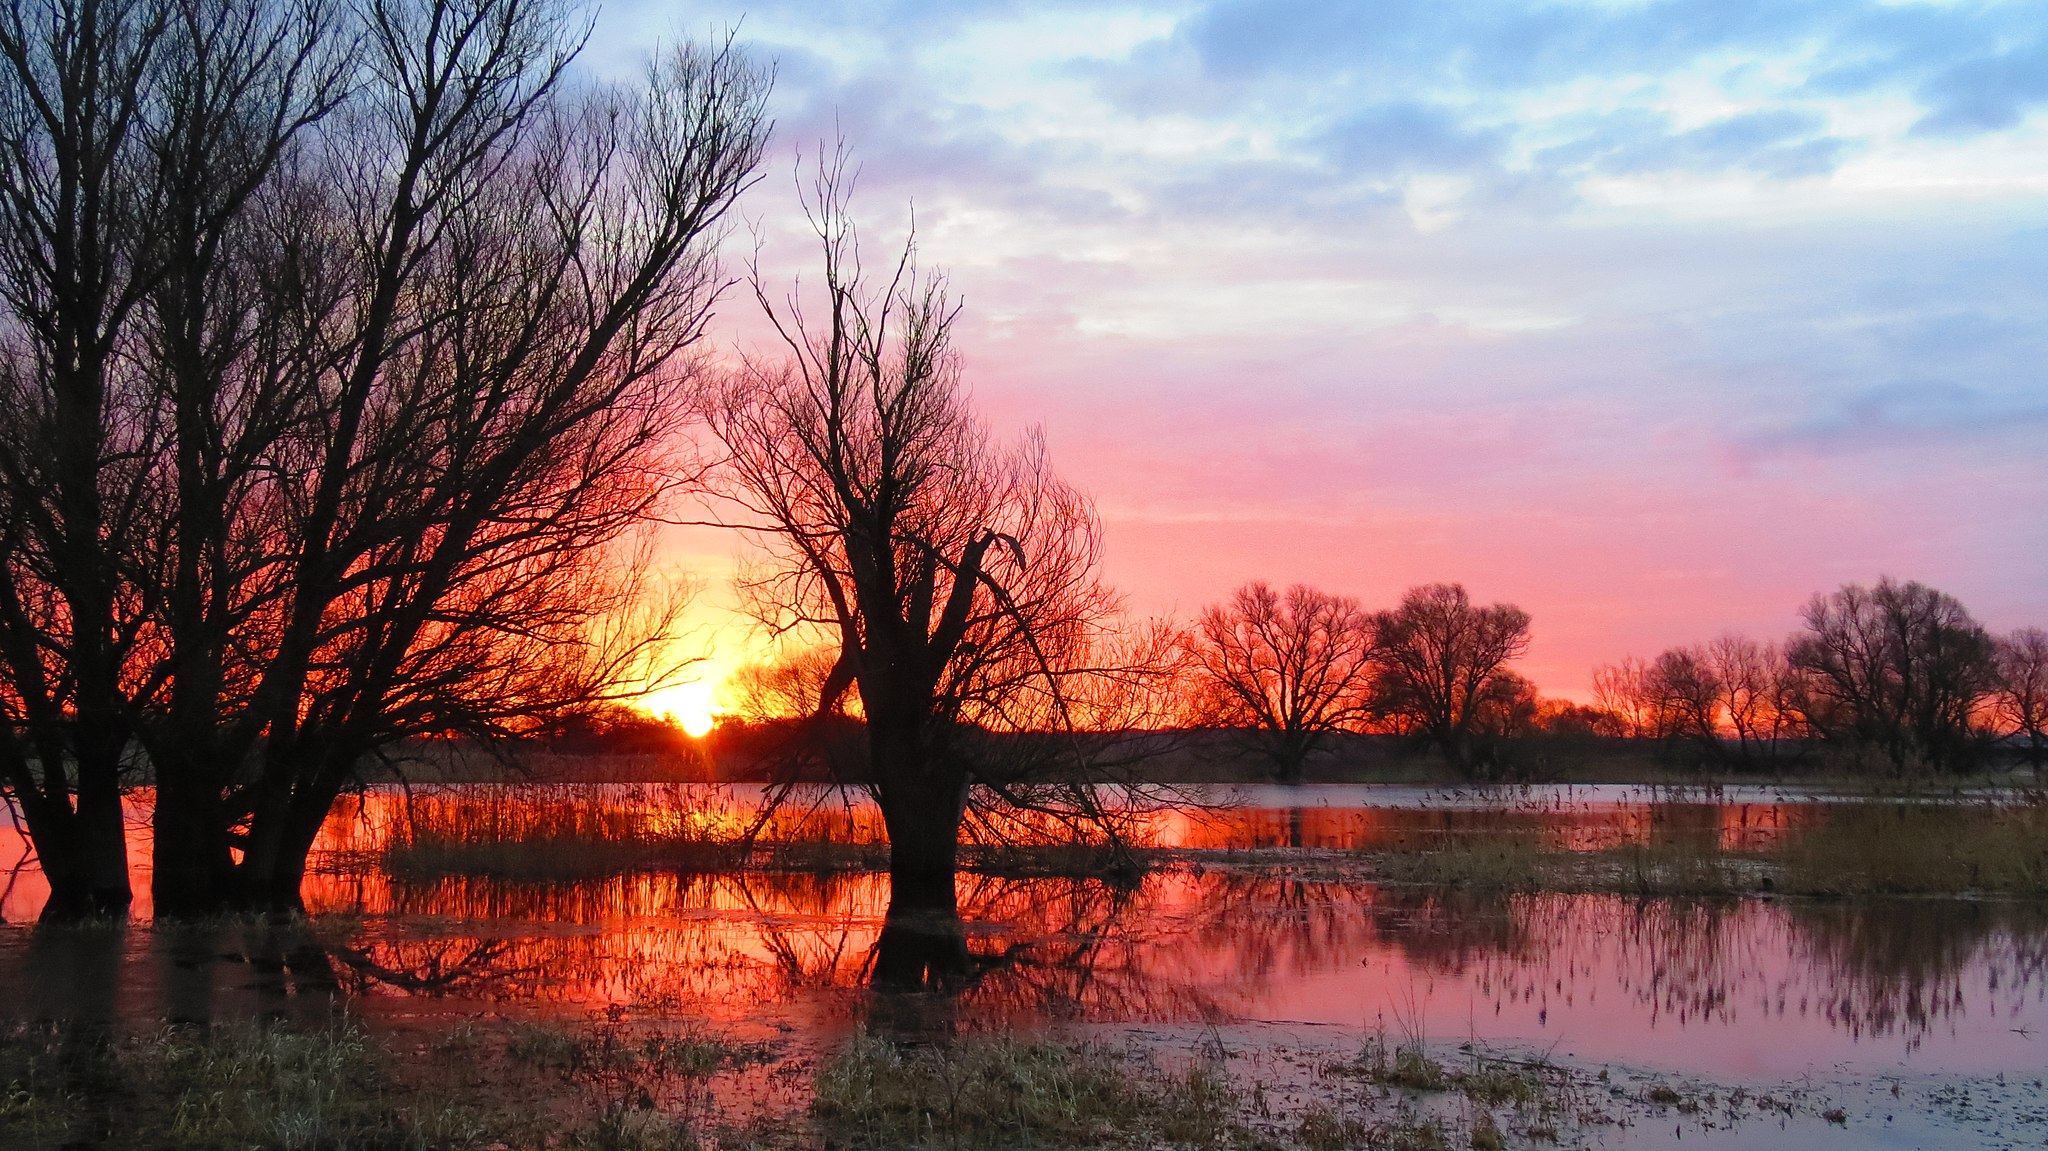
pixel 692 706
pixel 1648 320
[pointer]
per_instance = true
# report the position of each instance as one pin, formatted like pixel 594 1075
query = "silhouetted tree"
pixel 1628 689
pixel 954 575
pixel 1899 668
pixel 1290 669
pixel 1565 719
pixel 1509 708
pixel 2021 697
pixel 1438 658
pixel 134 138
pixel 1733 699
pixel 788 686
pixel 515 273
pixel 406 330
pixel 1688 692
pixel 1757 698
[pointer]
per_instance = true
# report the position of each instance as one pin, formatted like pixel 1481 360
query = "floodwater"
pixel 1736 991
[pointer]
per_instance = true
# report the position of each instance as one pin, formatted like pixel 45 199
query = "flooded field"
pixel 1862 1000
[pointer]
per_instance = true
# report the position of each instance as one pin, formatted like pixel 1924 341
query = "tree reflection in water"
pixel 1181 945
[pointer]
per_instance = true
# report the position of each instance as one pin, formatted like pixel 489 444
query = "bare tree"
pixel 789 686
pixel 2021 697
pixel 1628 689
pixel 522 272
pixel 1508 709
pixel 1757 699
pixel 1439 656
pixel 406 330
pixel 1689 692
pixel 133 137
pixel 954 574
pixel 1730 698
pixel 1898 668
pixel 1290 669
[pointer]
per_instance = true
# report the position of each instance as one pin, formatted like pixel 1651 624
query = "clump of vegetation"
pixel 1407 1066
pixel 1523 863
pixel 1322 1129
pixel 234 1086
pixel 1876 847
pixel 1000 1091
pixel 605 1086
pixel 644 1087
pixel 1923 848
pixel 1536 1096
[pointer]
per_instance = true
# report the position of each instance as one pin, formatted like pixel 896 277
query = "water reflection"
pixel 1189 946
pixel 1707 985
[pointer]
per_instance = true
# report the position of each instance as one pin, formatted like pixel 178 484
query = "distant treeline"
pixel 1895 678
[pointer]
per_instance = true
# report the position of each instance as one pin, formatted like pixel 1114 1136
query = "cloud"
pixel 1399 138
pixel 1985 93
pixel 1673 311
pixel 1779 144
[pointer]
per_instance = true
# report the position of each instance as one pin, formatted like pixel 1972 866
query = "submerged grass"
pixel 1522 863
pixel 613 1084
pixel 237 1086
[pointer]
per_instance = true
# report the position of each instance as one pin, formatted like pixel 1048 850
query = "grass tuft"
pixel 1000 1091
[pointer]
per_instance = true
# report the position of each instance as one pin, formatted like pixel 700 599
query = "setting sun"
pixel 691 705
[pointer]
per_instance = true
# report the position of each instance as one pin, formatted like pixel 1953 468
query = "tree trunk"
pixel 923 946
pixel 194 873
pixel 922 802
pixel 274 870
pixel 62 857
pixel 82 845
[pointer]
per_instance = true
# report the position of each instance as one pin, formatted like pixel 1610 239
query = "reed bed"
pixel 1916 848
pixel 544 832
pixel 1876 847
pixel 564 832
pixel 1904 847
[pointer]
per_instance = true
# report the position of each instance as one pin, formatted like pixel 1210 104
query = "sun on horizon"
pixel 692 706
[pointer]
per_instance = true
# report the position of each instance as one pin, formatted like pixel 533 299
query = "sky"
pixel 1652 318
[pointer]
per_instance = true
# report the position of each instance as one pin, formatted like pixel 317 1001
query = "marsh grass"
pixel 1880 847
pixel 1913 848
pixel 644 1087
pixel 598 849
pixel 1001 1091
pixel 603 1086
pixel 237 1086
pixel 1531 1096
pixel 546 832
pixel 1885 845
pixel 1523 863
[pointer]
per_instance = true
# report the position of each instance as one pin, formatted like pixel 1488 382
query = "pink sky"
pixel 1654 319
